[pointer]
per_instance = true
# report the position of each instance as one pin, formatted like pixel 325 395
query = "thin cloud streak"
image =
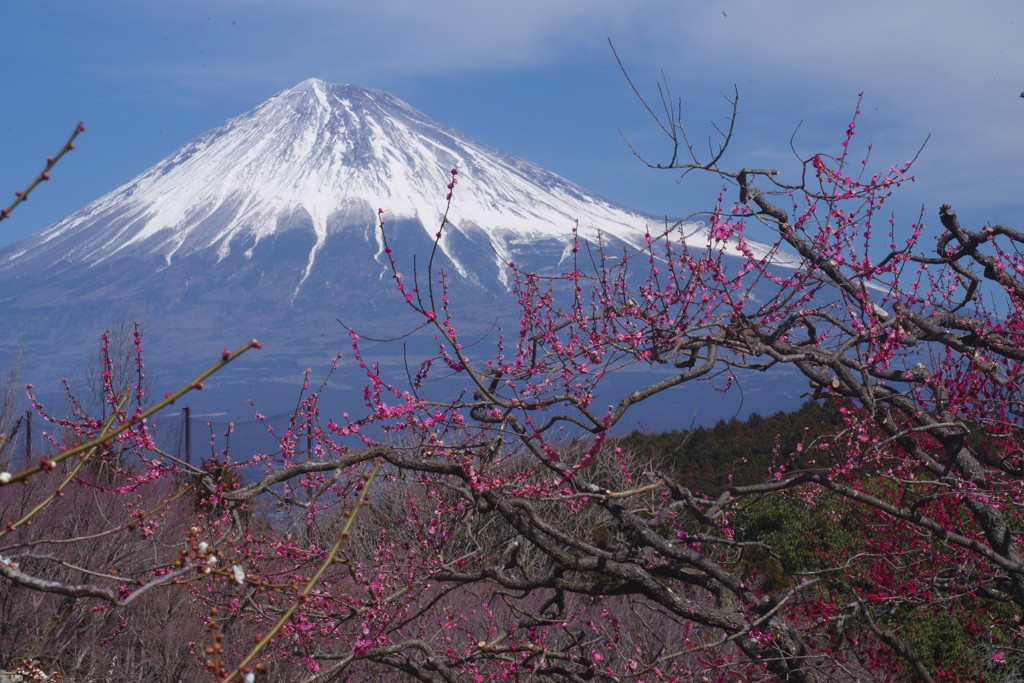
pixel 171 71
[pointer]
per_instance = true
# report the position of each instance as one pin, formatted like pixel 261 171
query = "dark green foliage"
pixel 786 526
pixel 705 458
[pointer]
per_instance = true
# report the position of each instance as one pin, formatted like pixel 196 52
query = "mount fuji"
pixel 312 164
pixel 267 227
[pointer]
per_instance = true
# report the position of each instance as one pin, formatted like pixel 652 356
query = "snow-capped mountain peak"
pixel 328 156
pixel 267 227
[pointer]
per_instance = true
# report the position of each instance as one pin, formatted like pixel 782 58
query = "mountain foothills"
pixel 269 227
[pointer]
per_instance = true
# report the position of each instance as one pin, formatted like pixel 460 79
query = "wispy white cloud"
pixel 927 67
pixel 940 68
pixel 264 39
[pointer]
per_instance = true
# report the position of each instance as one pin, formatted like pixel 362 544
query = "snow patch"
pixel 322 149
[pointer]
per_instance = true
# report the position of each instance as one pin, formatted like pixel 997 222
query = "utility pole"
pixel 28 437
pixel 187 416
pixel 311 535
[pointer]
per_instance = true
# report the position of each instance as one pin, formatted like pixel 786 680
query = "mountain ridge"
pixel 267 227
pixel 328 156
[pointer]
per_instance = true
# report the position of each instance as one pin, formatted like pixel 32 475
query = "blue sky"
pixel 535 78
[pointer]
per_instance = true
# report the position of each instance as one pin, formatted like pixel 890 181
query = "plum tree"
pixel 499 531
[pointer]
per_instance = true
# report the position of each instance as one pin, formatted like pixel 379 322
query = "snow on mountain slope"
pixel 267 227
pixel 332 154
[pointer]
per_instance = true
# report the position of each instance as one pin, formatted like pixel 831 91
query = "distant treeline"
pixel 704 458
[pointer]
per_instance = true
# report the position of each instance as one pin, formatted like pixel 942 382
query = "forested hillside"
pixel 736 451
